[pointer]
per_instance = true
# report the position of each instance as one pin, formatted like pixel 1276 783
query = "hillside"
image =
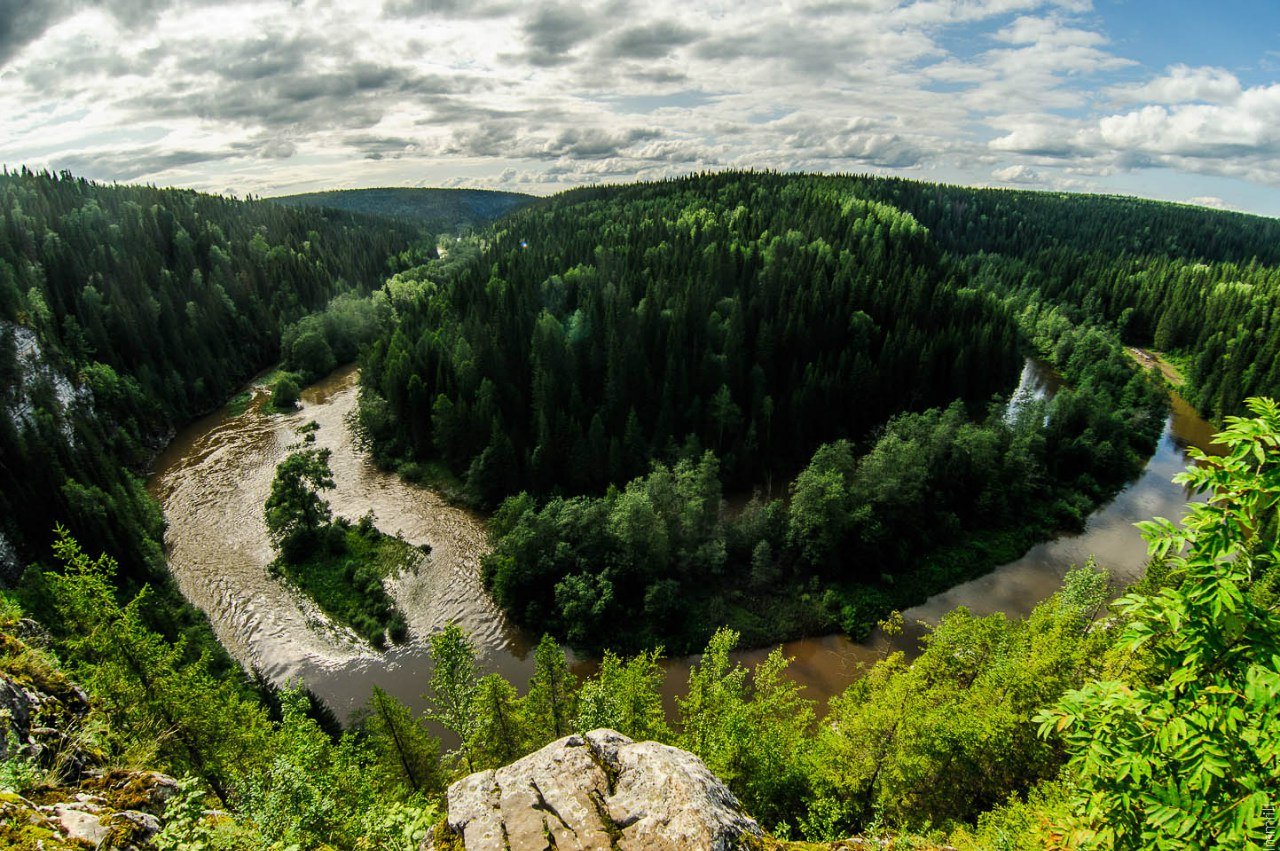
pixel 611 367
pixel 615 360
pixel 438 210
pixel 126 311
pixel 945 745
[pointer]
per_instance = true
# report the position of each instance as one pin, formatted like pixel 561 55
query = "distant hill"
pixel 437 209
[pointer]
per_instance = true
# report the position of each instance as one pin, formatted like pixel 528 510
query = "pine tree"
pixel 404 748
pixel 452 690
pixel 551 701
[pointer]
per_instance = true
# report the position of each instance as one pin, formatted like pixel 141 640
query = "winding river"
pixel 215 476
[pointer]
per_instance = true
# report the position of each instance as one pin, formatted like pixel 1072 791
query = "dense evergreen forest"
pixel 625 358
pixel 1199 284
pixel 611 369
pixel 752 315
pixel 438 210
pixel 126 310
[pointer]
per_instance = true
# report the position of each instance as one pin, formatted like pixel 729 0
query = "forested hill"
pixel 1023 223
pixel 623 353
pixel 125 310
pixel 752 315
pixel 439 210
pixel 1201 285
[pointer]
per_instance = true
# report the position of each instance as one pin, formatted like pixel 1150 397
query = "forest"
pixel 1004 733
pixel 1198 284
pixel 703 413
pixel 126 311
pixel 657 349
pixel 596 332
pixel 442 211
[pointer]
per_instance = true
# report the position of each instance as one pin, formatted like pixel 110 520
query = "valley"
pixel 607 426
pixel 827 482
pixel 213 478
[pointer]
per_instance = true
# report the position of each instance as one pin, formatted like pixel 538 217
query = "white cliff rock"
pixel 598 791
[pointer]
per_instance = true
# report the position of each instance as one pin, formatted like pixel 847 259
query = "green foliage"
pixel 286 393
pixel 439 210
pixel 1183 750
pixel 501 733
pixel 773 322
pixel 452 690
pixel 626 695
pixel 403 749
pixel 1018 824
pixel 944 737
pixel 186 827
pixel 313 793
pixel 279 785
pixel 344 572
pixel 577 565
pixel 759 315
pixel 311 354
pixel 935 499
pixel 753 729
pixel 157 305
pixel 318 342
pixel 551 703
pixel 19 771
pixel 295 512
pixel 167 707
pixel 821 511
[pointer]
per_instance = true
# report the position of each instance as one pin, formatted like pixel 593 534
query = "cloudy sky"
pixel 1175 99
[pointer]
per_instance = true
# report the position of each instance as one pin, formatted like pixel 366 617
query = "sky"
pixel 1170 99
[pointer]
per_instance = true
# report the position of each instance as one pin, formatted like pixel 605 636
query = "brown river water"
pixel 213 479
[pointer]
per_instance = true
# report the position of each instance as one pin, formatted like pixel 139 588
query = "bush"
pixel 862 610
pixel 285 394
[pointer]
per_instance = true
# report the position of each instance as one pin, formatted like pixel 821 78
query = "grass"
pixel 239 403
pixel 434 475
pixel 343 573
pixel 1178 362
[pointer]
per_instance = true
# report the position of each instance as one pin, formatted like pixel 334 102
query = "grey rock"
pixel 16 708
pixel 598 791
pixel 90 822
pixel 78 822
pixel 24 731
pixel 144 825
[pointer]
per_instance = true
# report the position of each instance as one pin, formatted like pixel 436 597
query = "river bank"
pixel 213 479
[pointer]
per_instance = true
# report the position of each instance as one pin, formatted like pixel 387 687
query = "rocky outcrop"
pixel 597 791
pixel 71 803
pixel 112 809
pixel 34 373
pixel 38 706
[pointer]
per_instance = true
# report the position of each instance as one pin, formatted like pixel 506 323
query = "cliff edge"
pixel 600 790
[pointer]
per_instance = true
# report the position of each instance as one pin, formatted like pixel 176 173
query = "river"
pixel 214 477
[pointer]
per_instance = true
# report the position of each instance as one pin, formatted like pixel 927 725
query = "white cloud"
pixel 1211 201
pixel 1017 174
pixel 1181 84
pixel 287 94
pixel 1250 124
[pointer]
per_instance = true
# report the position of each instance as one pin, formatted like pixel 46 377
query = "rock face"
pixel 598 791
pixel 36 712
pixel 109 809
pixel 81 805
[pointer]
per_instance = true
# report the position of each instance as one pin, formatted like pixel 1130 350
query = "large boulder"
pixel 597 791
